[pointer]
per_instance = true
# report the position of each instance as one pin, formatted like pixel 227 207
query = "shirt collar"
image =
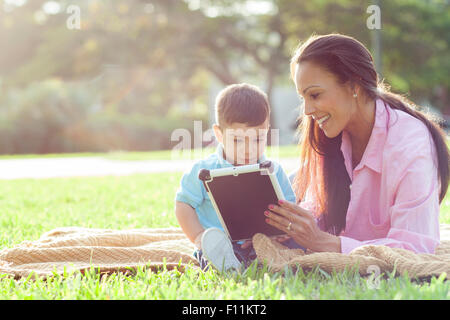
pixel 372 156
pixel 224 163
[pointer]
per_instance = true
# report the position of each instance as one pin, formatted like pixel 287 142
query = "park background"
pixel 102 95
pixel 123 75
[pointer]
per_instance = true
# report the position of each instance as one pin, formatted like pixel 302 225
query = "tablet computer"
pixel 240 195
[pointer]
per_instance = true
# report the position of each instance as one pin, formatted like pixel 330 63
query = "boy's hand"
pixel 246 244
pixel 282 238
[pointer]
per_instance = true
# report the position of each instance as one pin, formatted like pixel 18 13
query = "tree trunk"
pixel 269 91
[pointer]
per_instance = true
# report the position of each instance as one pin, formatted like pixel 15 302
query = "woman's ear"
pixel 351 88
pixel 218 133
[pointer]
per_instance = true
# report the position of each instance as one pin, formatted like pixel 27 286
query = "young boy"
pixel 242 124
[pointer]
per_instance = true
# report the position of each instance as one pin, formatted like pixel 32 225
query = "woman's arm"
pixel 404 239
pixel 301 225
pixel 412 181
pixel 413 216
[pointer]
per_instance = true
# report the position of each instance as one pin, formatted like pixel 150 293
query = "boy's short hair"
pixel 242 103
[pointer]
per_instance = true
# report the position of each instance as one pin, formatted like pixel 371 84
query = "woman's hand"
pixel 301 226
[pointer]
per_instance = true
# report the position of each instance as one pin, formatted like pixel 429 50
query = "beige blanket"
pixel 72 248
pixel 367 259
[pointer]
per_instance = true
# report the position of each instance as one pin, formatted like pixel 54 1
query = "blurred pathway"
pixel 97 166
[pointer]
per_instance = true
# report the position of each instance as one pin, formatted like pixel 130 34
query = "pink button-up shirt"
pixel 394 189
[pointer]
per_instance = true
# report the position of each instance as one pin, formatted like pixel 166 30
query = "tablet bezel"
pixel 265 168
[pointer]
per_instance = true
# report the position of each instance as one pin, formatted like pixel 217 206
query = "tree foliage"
pixel 156 59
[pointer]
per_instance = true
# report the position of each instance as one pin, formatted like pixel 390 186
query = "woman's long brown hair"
pixel 322 163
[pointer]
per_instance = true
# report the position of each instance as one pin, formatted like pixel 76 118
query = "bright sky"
pixel 15 2
pixel 250 7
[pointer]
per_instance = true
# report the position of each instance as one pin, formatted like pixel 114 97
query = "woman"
pixel 374 169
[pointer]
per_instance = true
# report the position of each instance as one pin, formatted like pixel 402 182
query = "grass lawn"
pixel 287 151
pixel 32 207
pixel 274 152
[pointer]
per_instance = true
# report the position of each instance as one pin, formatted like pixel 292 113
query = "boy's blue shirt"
pixel 193 192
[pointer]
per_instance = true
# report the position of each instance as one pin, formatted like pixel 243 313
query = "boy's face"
pixel 242 144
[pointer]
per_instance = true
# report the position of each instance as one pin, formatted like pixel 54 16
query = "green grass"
pixel 31 207
pixel 287 151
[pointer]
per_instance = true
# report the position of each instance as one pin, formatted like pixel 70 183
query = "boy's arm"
pixel 189 196
pixel 189 223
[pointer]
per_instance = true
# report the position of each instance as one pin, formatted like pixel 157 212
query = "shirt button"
pixel 350 187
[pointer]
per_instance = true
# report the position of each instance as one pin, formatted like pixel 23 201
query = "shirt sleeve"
pixel 414 214
pixel 190 190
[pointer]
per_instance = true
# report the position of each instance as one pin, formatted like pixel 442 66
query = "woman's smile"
pixel 322 120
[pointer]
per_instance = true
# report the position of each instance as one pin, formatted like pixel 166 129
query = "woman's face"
pixel 327 101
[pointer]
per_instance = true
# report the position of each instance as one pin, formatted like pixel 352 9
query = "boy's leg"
pixel 218 250
pixel 198 254
pixel 245 256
